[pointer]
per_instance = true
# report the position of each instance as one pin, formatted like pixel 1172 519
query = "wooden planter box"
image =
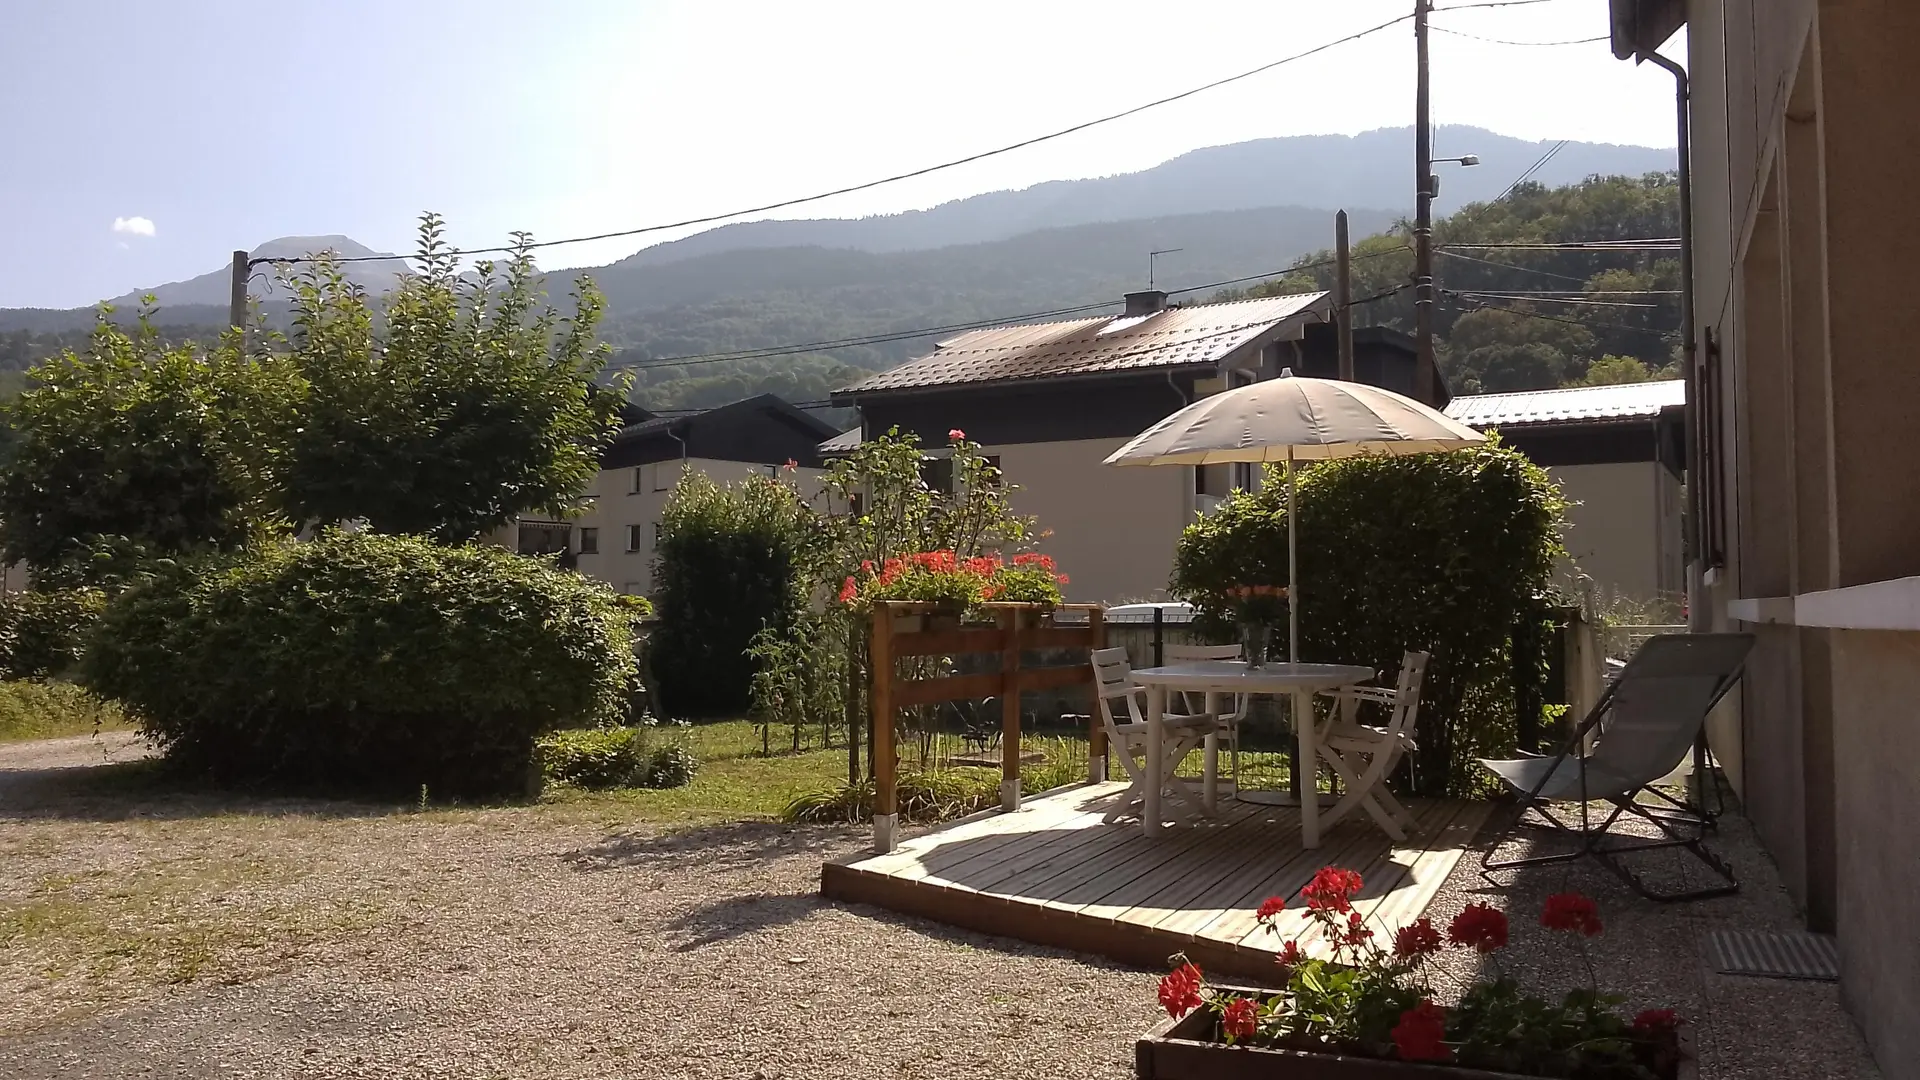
pixel 1185 1049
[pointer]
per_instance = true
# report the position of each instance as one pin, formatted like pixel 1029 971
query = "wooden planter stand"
pixel 901 628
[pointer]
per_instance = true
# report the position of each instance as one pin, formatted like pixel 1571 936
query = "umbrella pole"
pixel 1293 573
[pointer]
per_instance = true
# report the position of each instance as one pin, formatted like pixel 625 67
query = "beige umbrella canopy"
pixel 1295 419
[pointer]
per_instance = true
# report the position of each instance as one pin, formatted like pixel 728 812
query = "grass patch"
pixel 50 710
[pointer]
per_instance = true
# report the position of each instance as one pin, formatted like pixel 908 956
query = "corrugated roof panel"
pixel 1573 404
pixel 1202 334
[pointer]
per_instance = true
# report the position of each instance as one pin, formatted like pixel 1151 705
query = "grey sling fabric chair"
pixel 1644 724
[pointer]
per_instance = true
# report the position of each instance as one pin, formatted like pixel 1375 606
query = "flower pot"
pixel 1190 1049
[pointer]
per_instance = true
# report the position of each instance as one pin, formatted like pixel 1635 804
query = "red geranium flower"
pixel 1421 1033
pixel 1357 932
pixel 1330 889
pixel 1180 990
pixel 1241 1019
pixel 1656 1021
pixel 1479 927
pixel 1571 911
pixel 1271 906
pixel 849 591
pixel 792 464
pixel 1290 955
pixel 1416 939
pixel 956 435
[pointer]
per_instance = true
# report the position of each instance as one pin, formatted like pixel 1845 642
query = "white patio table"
pixel 1299 681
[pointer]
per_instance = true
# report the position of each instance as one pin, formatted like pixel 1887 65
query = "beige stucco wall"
pixel 1623 531
pixel 635 496
pixel 1114 529
pixel 1804 154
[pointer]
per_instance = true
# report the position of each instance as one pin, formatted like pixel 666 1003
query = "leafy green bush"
pixel 671 767
pixel 45 710
pixel 384 662
pixel 43 633
pixel 729 563
pixel 1445 553
pixel 596 757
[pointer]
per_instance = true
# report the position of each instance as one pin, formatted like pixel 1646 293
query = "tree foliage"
pixel 469 404
pixel 1444 553
pixel 171 447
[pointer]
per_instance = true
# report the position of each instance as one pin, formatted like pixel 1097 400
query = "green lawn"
pixel 36 710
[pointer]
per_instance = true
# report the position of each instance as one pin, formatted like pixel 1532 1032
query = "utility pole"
pixel 1423 302
pixel 1343 295
pixel 237 305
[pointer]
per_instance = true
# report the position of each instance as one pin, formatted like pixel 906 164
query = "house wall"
pixel 1804 148
pixel 1623 531
pixel 1114 529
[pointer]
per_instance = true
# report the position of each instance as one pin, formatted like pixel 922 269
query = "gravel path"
pixel 149 933
pixel 495 943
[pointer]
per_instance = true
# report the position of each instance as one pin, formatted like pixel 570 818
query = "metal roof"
pixel 1570 405
pixel 844 443
pixel 1176 337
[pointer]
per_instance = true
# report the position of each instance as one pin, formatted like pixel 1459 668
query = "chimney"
pixel 1147 302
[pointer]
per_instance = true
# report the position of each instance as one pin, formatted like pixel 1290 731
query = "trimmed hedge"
pixel 43 633
pixel 374 662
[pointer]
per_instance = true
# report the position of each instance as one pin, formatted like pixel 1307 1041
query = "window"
pixel 639 479
pixel 937 474
pixel 664 474
pixel 633 537
pixel 631 588
pixel 589 541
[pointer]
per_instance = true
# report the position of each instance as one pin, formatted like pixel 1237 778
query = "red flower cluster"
pixel 1240 1019
pixel 1416 939
pixel 849 591
pixel 1180 990
pixel 1357 933
pixel 1331 889
pixel 956 435
pixel 1656 1021
pixel 1290 955
pixel 1479 927
pixel 1421 1033
pixel 1571 911
pixel 1270 907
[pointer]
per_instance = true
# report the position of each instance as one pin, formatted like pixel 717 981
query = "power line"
pixel 1470 303
pixel 1511 266
pixel 1531 298
pixel 897 177
pixel 1505 41
pixel 1533 168
pixel 1489 4
pixel 1654 244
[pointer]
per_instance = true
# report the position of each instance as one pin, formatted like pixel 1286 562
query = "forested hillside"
pixel 1520 318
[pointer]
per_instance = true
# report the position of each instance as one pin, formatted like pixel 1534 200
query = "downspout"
pixel 1698 617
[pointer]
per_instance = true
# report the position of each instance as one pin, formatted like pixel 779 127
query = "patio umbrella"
pixel 1295 419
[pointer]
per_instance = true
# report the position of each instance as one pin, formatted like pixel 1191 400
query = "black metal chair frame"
pixel 1672 820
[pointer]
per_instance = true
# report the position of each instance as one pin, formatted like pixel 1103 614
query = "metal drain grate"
pixel 1776 956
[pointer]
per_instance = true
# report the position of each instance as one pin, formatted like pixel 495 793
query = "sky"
pixel 144 142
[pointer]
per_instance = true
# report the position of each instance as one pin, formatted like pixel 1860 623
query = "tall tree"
pixel 470 403
pixel 169 449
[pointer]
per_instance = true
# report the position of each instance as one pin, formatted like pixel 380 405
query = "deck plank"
pixel 1055 874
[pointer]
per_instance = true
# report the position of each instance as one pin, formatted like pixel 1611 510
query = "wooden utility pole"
pixel 237 305
pixel 1343 295
pixel 1423 211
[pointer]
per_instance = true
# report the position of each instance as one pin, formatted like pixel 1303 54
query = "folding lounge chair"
pixel 1644 724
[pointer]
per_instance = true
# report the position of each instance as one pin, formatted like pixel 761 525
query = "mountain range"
pixel 1235 211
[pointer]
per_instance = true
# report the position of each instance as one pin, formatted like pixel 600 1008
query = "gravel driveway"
pixel 509 943
pixel 151 933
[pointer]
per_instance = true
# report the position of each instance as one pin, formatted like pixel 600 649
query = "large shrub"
pixel 731 561
pixel 42 632
pixel 1441 552
pixel 364 660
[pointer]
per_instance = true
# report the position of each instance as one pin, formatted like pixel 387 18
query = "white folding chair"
pixel 1363 755
pixel 1182 733
pixel 1230 720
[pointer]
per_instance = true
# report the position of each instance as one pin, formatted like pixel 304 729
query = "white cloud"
pixel 134 226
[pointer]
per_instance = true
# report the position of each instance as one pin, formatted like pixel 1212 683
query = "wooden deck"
pixel 1052 873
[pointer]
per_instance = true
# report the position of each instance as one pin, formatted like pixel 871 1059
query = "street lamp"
pixel 1433 179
